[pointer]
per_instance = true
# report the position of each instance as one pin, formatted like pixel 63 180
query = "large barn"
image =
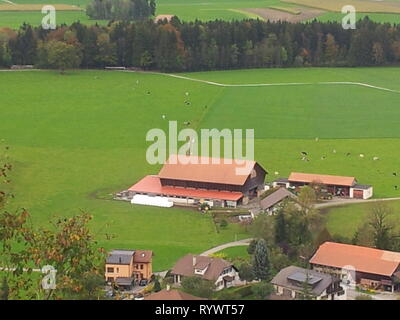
pixel 200 179
pixel 339 186
pixel 374 268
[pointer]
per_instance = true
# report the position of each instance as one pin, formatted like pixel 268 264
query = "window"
pixel 141 267
pixel 110 270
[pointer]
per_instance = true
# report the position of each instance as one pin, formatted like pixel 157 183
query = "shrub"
pixel 363 297
pixel 223 223
pixel 244 291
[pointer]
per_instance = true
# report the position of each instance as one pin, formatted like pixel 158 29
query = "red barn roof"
pixel 205 169
pixel 320 178
pixel 363 259
pixel 152 184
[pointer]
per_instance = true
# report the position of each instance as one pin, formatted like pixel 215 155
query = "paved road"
pixel 244 242
pixel 341 202
pixel 352 293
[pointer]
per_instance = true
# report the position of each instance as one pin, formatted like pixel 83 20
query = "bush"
pixel 228 295
pixel 198 287
pixel 244 291
pixel 364 297
pixel 262 290
pixel 220 255
pixel 223 223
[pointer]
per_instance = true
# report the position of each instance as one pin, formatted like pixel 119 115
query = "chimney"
pixel 120 260
pixel 168 287
pixel 194 261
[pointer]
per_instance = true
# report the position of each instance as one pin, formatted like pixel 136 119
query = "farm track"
pixel 361 84
pixel 227 85
pixel 345 202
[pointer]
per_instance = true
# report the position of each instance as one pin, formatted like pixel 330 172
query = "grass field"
pixel 77 137
pixel 36 7
pixel 345 220
pixel 359 5
pixel 378 17
pixel 234 253
pixel 189 10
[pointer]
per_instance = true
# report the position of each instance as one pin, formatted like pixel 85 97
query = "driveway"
pixel 353 293
pixel 341 202
pixel 244 242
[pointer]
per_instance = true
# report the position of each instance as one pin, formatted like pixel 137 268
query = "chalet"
pixel 273 202
pixel 125 268
pixel 369 267
pixel 221 272
pixel 290 282
pixel 338 186
pixel 200 179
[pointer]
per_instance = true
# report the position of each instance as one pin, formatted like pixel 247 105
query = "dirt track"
pixel 276 15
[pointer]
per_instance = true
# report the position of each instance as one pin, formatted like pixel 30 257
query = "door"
pixel 358 194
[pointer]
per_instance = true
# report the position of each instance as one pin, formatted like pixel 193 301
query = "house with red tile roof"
pixel 340 186
pixel 192 180
pixel 370 267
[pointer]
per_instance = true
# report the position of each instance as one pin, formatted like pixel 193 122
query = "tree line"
pixel 194 46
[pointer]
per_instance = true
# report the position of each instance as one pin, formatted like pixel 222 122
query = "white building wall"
pixel 368 193
pixel 236 281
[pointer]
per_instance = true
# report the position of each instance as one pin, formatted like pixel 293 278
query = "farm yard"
pixel 85 139
pixel 14 13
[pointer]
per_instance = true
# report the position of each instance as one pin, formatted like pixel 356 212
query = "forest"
pixel 177 46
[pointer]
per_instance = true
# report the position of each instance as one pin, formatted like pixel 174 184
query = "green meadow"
pixel 79 137
pixel 345 220
pixel 186 10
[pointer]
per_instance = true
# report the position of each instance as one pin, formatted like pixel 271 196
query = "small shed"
pixel 270 203
pixel 361 191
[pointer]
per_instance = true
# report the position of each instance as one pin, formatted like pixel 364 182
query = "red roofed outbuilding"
pixel 340 186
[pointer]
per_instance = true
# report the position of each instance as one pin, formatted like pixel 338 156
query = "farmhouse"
pixel 290 283
pixel 199 179
pixel 127 267
pixel 338 186
pixel 373 268
pixel 273 202
pixel 221 272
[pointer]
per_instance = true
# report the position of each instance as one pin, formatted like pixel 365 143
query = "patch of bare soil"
pixel 276 15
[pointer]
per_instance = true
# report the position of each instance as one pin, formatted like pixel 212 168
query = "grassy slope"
pixel 84 135
pixel 353 114
pixel 345 220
